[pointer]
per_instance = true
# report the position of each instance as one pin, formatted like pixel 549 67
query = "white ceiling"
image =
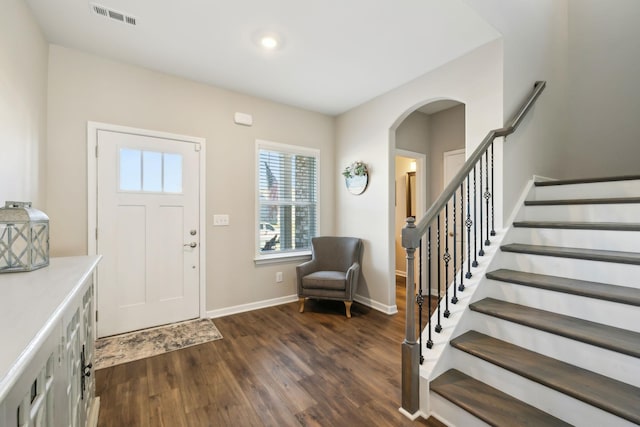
pixel 336 54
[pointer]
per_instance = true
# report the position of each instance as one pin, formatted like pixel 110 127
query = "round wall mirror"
pixel 357 184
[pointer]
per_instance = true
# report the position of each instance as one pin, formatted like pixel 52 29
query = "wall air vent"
pixel 113 14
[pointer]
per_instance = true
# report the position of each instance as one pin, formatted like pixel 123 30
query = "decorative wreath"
pixel 357 168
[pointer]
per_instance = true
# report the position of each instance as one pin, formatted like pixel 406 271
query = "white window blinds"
pixel 287 198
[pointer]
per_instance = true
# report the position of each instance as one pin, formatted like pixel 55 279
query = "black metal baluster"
pixel 446 257
pixel 461 287
pixel 454 300
pixel 429 340
pixel 487 195
pixel 420 301
pixel 481 252
pixel 438 326
pixel 475 213
pixel 493 225
pixel 468 223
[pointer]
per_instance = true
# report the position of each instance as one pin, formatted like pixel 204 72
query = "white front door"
pixel 147 231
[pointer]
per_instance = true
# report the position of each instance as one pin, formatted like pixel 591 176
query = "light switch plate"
pixel 220 220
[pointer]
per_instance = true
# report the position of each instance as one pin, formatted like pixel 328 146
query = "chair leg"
pixel 301 304
pixel 347 305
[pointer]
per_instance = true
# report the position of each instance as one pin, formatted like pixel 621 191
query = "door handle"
pixel 191 245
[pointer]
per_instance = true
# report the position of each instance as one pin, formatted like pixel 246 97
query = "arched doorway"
pixel 426 137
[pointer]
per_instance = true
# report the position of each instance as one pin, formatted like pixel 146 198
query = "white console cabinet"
pixel 47 333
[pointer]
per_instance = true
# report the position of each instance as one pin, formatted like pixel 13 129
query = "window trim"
pixel 293 255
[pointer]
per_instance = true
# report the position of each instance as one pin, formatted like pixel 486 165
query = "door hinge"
pixel 96 315
pixel 96 233
pixel 96 150
pixel 196 147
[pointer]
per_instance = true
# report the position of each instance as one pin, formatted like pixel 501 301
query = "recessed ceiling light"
pixel 269 42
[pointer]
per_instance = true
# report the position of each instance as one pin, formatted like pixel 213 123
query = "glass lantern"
pixel 24 238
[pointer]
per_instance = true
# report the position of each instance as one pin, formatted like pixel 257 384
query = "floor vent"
pixel 113 14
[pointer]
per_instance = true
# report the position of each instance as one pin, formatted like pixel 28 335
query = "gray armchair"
pixel 333 271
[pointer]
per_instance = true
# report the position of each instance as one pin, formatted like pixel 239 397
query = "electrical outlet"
pixel 279 277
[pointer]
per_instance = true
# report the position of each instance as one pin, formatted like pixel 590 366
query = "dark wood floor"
pixel 274 367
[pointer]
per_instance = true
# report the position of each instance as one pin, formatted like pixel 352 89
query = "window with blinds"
pixel 287 189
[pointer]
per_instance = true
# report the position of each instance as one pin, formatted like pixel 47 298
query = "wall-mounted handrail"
pixel 475 194
pixel 410 235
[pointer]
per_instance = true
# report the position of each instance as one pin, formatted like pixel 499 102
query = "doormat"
pixel 138 345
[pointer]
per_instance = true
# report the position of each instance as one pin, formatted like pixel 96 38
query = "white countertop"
pixel 31 304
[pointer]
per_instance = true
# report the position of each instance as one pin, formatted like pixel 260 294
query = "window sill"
pixel 283 257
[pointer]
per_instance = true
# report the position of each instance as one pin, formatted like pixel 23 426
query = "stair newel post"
pixel 446 258
pixel 410 348
pixel 475 227
pixel 429 292
pixel 461 287
pixel 487 194
pixel 493 224
pixel 454 300
pixel 438 326
pixel 468 224
pixel 481 251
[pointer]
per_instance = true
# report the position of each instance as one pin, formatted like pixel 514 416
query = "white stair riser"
pixel 595 271
pixel 605 312
pixel 626 241
pixel 627 213
pixel 452 415
pixel 548 400
pixel 589 191
pixel 599 360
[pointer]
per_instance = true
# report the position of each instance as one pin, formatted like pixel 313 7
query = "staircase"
pixel 551 336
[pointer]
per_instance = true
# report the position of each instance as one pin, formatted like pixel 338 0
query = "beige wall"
pixel 23 94
pixel 368 133
pixel 604 92
pixel 535 38
pixel 84 87
pixel 446 133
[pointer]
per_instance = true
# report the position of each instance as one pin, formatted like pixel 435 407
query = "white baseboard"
pixel 227 311
pixel 94 410
pixel 412 417
pixel 386 309
pixel 221 312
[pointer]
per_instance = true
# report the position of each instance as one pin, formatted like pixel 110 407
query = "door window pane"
pixel 172 173
pixel 151 171
pixel 130 170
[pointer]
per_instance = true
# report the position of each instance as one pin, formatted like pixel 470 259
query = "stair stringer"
pixel 438 359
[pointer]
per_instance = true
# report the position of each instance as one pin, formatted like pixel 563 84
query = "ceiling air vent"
pixel 113 14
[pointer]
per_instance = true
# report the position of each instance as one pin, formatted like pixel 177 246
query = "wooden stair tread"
pixel 586 180
pixel 603 291
pixel 577 253
pixel 597 201
pixel 489 404
pixel 568 225
pixel 597 390
pixel 604 336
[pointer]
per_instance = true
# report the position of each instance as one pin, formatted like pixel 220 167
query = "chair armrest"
pixel 302 270
pixel 353 274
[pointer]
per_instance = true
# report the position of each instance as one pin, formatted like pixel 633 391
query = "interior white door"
pixel 453 162
pixel 148 231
